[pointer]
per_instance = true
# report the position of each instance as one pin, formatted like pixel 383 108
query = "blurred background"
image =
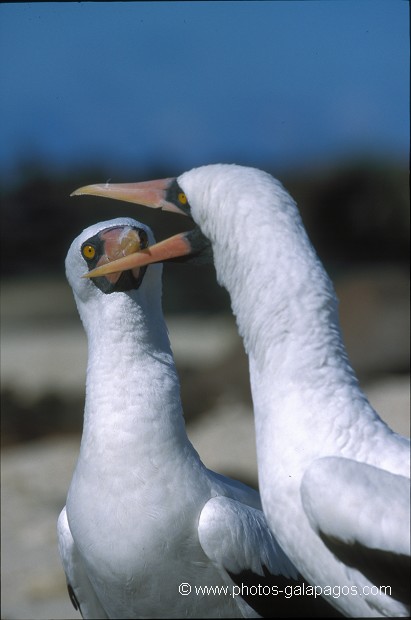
pixel 316 93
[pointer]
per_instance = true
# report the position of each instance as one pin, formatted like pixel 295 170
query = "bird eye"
pixel 88 251
pixel 182 198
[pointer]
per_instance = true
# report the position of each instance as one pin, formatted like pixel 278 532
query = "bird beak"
pixel 174 247
pixel 148 193
pixel 118 243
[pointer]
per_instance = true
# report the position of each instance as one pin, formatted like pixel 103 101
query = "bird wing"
pixel 238 542
pixel 81 592
pixel 362 513
pixel 235 488
pixel 237 539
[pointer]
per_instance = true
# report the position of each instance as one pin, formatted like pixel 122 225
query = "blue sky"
pixel 181 84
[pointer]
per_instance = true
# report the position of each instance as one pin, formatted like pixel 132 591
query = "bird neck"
pixel 133 407
pixel 286 310
pixel 284 302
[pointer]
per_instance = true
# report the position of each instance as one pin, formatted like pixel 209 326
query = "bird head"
pixel 219 198
pixel 100 245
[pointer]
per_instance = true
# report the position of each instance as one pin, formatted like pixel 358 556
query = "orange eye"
pixel 182 198
pixel 89 252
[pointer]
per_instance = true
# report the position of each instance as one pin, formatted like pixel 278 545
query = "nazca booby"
pixel 340 475
pixel 144 516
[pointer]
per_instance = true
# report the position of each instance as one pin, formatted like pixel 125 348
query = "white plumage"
pixel 143 513
pixel 338 472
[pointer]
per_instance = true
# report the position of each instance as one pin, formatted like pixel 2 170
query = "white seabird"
pixel 147 528
pixel 340 475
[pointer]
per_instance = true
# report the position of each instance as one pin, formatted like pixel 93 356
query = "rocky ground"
pixel 43 352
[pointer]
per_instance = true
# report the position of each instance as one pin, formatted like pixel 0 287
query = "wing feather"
pixel 362 513
pixel 80 590
pixel 238 541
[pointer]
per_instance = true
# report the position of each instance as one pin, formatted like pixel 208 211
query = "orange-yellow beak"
pixel 155 194
pixel 174 247
pixel 148 193
pixel 118 243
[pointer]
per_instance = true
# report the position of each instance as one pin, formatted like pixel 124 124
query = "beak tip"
pixel 77 192
pixel 80 191
pixel 94 190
